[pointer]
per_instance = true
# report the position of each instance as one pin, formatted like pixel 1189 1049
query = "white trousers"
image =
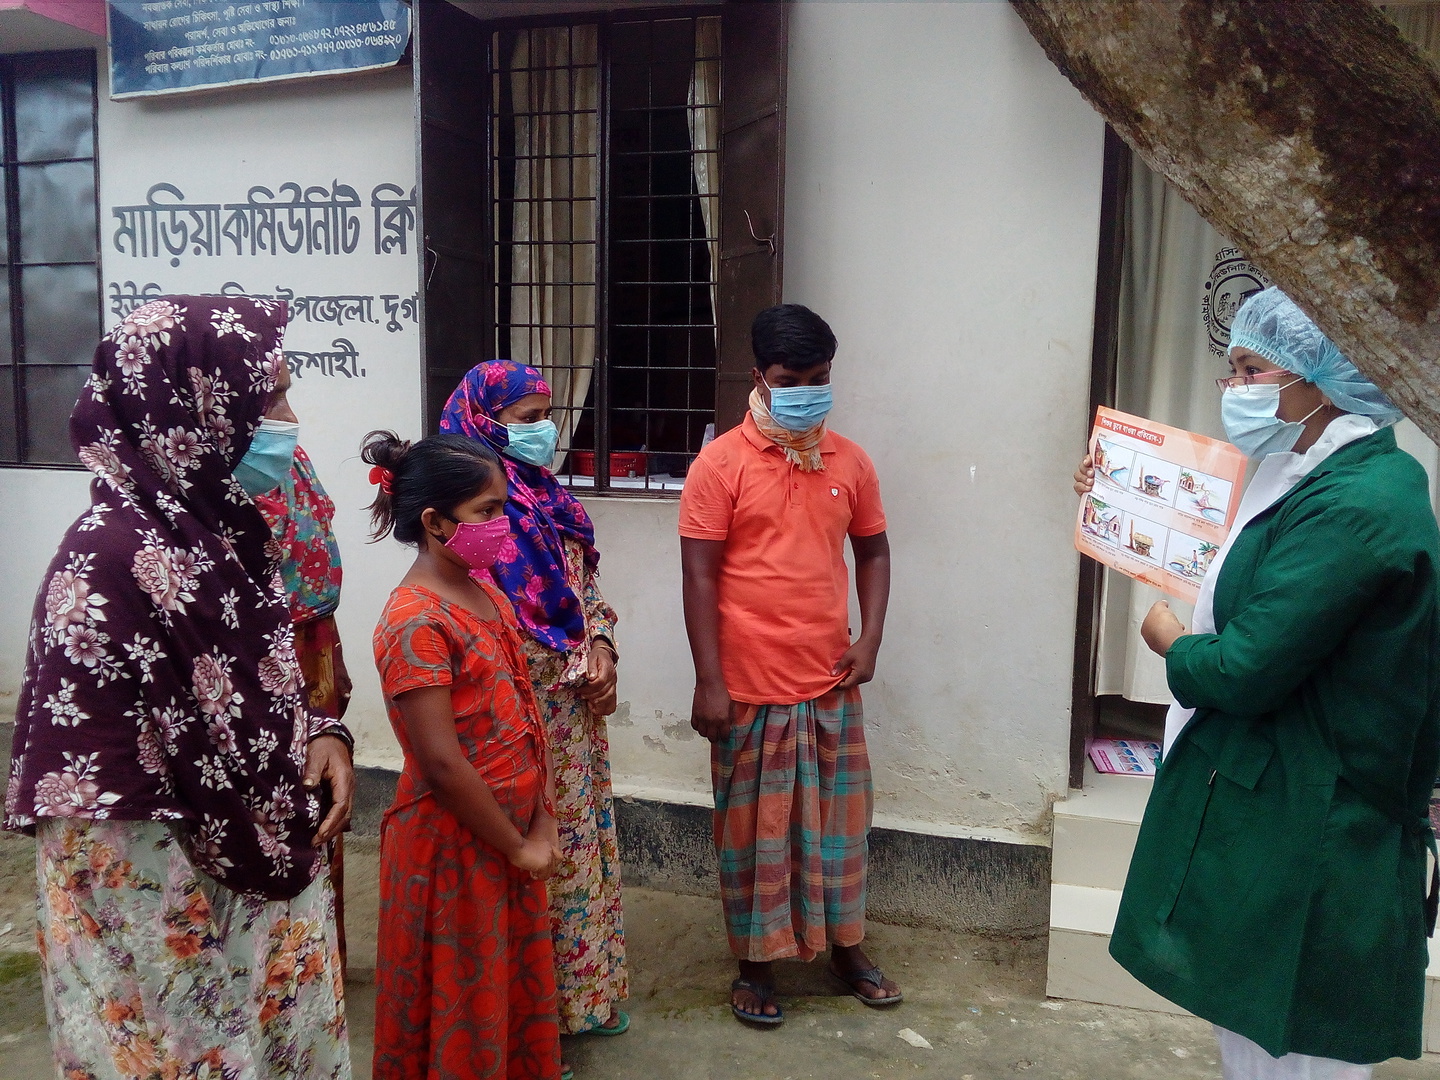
pixel 1244 1060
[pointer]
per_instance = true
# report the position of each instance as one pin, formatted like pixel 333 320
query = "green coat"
pixel 1278 882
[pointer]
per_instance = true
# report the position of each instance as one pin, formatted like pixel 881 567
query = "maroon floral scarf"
pixel 161 681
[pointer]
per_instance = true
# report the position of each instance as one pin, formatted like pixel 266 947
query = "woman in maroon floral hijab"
pixel 165 759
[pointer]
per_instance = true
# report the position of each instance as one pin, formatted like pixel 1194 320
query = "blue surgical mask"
pixel 268 461
pixel 1250 420
pixel 534 443
pixel 800 408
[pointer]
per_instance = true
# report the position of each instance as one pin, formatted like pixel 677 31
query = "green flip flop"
pixel 619 1029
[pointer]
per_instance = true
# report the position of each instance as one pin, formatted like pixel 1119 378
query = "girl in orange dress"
pixel 465 970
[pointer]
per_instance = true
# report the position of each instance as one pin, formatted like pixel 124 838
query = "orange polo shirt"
pixel 784 587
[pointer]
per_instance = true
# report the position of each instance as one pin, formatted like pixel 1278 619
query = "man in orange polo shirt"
pixel 763 520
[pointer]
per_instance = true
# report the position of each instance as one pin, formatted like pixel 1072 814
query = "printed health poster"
pixel 1163 502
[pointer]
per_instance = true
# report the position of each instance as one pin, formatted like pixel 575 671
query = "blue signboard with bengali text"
pixel 167 46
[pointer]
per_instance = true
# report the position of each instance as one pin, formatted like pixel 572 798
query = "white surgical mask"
pixel 1251 424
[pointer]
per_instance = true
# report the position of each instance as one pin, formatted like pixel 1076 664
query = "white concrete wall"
pixel 943 197
pixel 942 212
pixel 36 507
pixel 357 130
pixel 653 748
pixel 943 190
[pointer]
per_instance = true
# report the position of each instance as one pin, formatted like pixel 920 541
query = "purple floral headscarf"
pixel 161 681
pixel 541 511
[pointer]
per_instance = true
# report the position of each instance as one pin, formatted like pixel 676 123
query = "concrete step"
pixel 1094 839
pixel 1095 830
pixel 1080 966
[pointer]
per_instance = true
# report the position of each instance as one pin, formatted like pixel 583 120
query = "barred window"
pixel 605 196
pixel 50 305
pixel 603 250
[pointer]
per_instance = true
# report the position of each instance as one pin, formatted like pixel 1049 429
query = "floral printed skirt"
pixel 585 910
pixel 153 971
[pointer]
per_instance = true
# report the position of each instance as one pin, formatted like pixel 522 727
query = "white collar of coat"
pixel 1278 473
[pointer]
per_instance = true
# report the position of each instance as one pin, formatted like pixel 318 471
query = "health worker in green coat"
pixel 1279 882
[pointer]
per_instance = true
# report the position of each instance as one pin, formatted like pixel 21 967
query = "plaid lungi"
pixel 793 802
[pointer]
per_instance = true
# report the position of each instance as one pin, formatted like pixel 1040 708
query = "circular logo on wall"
pixel 1233 280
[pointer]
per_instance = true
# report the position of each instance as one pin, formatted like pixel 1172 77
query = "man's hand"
pixel 1161 628
pixel 600 678
pixel 328 759
pixel 857 665
pixel 1085 476
pixel 712 711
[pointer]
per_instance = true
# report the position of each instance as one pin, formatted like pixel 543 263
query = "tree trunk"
pixel 1306 131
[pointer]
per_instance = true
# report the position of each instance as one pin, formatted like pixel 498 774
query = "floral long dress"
pixel 585 910
pixel 153 970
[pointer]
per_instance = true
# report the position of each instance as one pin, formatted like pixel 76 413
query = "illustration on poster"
pixel 1161 504
pixel 1101 520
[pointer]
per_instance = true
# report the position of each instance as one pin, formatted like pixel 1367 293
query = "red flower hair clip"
pixel 383 477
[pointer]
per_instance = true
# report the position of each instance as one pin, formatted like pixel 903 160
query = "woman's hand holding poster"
pixel 1163 502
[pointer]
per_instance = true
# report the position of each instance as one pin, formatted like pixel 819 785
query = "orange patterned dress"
pixel 465 980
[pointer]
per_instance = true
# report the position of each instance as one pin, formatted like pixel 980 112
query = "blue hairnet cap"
pixel 1270 324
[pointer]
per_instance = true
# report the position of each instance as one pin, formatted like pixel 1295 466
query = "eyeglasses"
pixel 1241 382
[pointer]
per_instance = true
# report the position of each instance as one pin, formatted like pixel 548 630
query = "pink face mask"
pixel 479 543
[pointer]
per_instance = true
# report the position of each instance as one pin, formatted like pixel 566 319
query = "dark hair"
pixel 792 336
pixel 441 472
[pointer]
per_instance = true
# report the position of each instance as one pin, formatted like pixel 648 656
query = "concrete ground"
pixel 978 1002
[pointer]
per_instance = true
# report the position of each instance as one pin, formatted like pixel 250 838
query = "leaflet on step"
pixel 1128 757
pixel 1163 503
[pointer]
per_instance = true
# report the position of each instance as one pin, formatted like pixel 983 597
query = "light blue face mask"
pixel 268 461
pixel 1250 420
pixel 800 408
pixel 534 443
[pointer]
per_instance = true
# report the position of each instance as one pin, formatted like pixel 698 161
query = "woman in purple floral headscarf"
pixel 549 574
pixel 164 758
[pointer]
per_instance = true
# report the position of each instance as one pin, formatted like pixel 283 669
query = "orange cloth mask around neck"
pixel 802 448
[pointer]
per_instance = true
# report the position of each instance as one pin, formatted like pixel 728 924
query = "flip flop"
pixel 566 1072
pixel 875 978
pixel 766 994
pixel 619 1029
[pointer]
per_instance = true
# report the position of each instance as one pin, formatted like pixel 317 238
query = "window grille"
pixel 50 289
pixel 605 208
